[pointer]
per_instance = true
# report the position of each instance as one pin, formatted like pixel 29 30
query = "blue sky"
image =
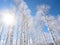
pixel 54 4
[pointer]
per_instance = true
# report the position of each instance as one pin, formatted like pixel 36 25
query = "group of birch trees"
pixel 28 29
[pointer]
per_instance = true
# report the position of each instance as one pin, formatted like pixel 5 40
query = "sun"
pixel 8 19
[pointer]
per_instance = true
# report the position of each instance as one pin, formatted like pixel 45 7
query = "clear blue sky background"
pixel 54 4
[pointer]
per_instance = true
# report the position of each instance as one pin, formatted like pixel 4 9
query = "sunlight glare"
pixel 8 19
